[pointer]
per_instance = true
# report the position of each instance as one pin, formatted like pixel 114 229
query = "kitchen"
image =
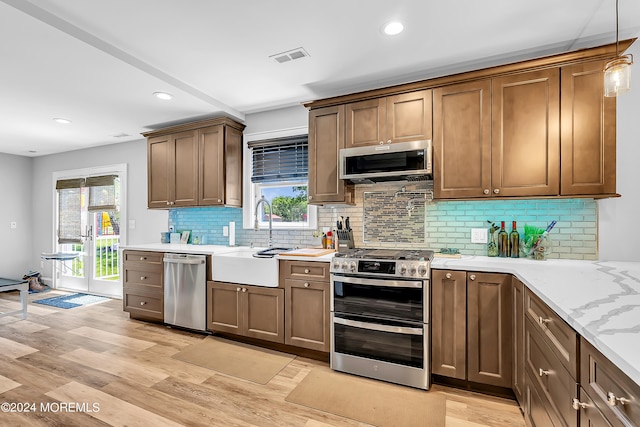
pixel 615 229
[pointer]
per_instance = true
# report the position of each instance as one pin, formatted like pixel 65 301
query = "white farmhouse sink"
pixel 242 267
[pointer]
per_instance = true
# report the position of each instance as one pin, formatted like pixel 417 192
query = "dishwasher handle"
pixel 185 260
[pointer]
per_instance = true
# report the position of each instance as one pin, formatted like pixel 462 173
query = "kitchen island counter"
pixel 599 299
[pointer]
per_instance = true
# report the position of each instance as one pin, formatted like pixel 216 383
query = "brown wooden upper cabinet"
pixel 173 170
pixel 326 138
pixel 588 125
pixel 498 137
pixel 196 164
pixel 396 118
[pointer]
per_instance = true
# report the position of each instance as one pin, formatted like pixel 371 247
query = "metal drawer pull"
pixel 378 327
pixel 244 289
pixel 306 271
pixel 542 372
pixel 543 321
pixel 143 277
pixel 472 277
pixel 577 405
pixel 306 285
pixel 143 258
pixel 143 302
pixel 448 275
pixel 612 400
pixel 237 289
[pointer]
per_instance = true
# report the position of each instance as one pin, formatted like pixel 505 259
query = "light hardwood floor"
pixel 97 354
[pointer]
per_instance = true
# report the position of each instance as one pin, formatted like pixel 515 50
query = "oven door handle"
pixel 377 282
pixel 378 327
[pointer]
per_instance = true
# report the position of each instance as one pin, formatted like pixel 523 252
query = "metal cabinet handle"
pixel 237 289
pixel 307 271
pixel 143 258
pixel 168 203
pixel 612 400
pixel 310 197
pixel 219 200
pixel 577 405
pixel 381 142
pixel 143 302
pixel 306 285
pixel 496 191
pixel 244 289
pixel 448 275
pixel 472 277
pixel 543 321
pixel 542 372
pixel 486 191
pixel 388 141
pixel 143 277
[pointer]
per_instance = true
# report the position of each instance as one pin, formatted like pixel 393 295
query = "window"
pixel 279 172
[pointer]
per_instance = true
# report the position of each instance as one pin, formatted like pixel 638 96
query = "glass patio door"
pixel 88 219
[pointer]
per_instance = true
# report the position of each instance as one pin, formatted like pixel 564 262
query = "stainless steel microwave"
pixel 403 161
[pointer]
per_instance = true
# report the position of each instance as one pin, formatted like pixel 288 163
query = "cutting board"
pixel 308 252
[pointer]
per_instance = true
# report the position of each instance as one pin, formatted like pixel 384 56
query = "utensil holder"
pixel 345 239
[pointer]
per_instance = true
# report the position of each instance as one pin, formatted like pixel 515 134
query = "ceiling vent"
pixel 289 55
pixel 120 135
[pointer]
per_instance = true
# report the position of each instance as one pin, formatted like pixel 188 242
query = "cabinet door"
pixel 263 313
pixel 409 117
pixel 307 314
pixel 159 178
pixel 366 122
pixel 518 340
pixel 462 140
pixel 224 307
pixel 326 138
pixel 185 169
pixel 212 167
pixel 448 323
pixel 525 141
pixel 489 328
pixel 233 167
pixel 588 132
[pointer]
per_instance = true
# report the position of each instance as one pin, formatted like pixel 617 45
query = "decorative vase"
pixel 492 246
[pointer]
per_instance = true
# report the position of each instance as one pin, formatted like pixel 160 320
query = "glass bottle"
pixel 503 241
pixel 514 242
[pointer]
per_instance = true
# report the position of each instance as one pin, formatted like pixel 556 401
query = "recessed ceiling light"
pixel 61 120
pixel 393 28
pixel 163 95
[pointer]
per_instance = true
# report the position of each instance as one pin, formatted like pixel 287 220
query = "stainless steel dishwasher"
pixel 185 291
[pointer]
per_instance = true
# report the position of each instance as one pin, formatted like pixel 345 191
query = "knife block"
pixel 345 240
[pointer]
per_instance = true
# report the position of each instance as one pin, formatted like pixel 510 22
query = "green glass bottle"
pixel 514 242
pixel 503 241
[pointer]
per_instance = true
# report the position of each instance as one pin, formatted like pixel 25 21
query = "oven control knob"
pixel 345 265
pixel 336 265
pixel 403 269
pixel 422 270
pixel 352 266
pixel 412 270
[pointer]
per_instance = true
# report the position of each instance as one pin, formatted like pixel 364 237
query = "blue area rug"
pixel 72 300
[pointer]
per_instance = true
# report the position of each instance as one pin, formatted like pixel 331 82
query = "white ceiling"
pixel 97 63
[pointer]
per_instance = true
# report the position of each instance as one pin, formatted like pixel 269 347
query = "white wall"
pixel 15 191
pixel 148 222
pixel 619 228
pixel 277 120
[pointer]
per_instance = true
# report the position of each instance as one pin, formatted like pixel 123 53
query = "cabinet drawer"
pixel 606 385
pixel 313 270
pixel 145 305
pixel 143 277
pixel 562 339
pixel 546 369
pixel 538 413
pixel 150 258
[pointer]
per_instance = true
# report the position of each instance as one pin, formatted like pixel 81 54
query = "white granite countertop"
pixel 600 300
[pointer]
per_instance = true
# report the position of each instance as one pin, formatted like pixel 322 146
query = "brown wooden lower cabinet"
pixel 142 285
pixel 590 415
pixel 250 311
pixel 307 314
pixel 538 411
pixel 471 326
pixel 517 381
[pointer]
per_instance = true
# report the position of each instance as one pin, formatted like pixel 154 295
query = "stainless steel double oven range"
pixel 380 314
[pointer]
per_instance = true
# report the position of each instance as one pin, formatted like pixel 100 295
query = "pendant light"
pixel 617 72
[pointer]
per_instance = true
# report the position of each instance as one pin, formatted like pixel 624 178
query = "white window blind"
pixel 102 193
pixel 69 210
pixel 278 160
